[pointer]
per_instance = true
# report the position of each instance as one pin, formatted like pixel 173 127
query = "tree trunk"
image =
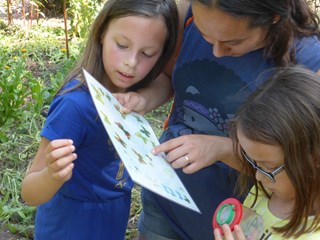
pixel 30 15
pixel 23 12
pixel 10 17
pixel 66 26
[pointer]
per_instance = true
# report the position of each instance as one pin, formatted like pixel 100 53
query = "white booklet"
pixel 133 138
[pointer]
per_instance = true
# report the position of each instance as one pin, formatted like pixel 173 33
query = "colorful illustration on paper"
pixel 133 138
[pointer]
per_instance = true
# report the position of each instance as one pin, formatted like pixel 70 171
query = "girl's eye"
pixel 268 169
pixel 121 46
pixel 147 54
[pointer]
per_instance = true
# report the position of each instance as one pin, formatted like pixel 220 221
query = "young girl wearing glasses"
pixel 276 136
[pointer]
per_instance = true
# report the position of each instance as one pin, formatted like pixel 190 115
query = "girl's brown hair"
pixel 91 58
pixel 285 111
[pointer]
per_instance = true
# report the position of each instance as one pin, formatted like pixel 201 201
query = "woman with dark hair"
pixel 224 45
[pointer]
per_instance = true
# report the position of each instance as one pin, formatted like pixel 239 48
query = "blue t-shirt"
pixel 95 202
pixel 208 92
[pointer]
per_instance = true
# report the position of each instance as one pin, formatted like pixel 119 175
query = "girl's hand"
pixel 59 157
pixel 194 152
pixel 228 235
pixel 131 101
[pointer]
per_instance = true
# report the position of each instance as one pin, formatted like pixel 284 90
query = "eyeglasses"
pixel 270 175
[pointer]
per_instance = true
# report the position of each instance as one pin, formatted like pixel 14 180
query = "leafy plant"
pixel 13 213
pixel 82 13
pixel 15 87
pixel 30 73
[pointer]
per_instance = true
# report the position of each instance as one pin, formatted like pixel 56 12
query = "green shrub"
pixel 16 86
pixel 2 25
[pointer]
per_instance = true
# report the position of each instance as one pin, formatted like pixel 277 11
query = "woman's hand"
pixel 237 234
pixel 59 157
pixel 194 152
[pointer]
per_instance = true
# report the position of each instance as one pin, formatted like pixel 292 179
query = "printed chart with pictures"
pixel 133 138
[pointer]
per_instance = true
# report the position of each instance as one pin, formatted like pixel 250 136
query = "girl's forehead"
pixel 258 150
pixel 144 32
pixel 138 21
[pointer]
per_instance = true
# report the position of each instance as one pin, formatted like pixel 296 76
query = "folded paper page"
pixel 133 138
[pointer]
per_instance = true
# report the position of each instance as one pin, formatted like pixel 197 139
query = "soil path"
pixel 5 234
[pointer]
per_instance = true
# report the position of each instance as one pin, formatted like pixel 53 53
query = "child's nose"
pixel 131 60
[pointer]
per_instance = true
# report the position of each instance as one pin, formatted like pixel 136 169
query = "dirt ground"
pixel 5 234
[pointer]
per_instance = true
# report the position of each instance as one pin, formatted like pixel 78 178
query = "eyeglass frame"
pixel 270 175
